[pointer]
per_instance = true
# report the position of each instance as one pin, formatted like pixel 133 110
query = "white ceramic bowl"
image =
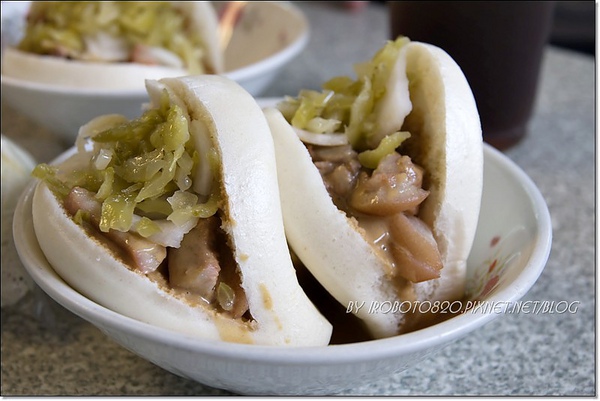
pixel 267 37
pixel 510 251
pixel 17 164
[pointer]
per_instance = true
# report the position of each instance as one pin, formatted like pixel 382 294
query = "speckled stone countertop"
pixel 517 354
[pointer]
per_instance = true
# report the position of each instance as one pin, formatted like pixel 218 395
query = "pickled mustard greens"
pixel 347 105
pixel 371 158
pixel 143 167
pixel 81 30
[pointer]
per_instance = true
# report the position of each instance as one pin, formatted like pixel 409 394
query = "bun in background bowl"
pixel 266 37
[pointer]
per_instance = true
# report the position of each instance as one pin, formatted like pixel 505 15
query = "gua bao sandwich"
pixel 174 218
pixel 381 179
pixel 111 44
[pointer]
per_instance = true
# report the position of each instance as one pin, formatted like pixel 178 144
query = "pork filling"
pixel 385 202
pixel 202 266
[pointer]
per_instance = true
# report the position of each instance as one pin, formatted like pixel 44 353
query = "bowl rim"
pixel 60 90
pixel 244 73
pixel 279 58
pixel 379 349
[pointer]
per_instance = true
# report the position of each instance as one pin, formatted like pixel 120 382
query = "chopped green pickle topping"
pixel 225 296
pixel 47 173
pixel 371 158
pixel 144 166
pixel 82 29
pixel 347 105
pixel 146 227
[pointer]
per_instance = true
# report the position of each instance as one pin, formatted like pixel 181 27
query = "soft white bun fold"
pixel 61 72
pixel 205 19
pixel 446 141
pixel 252 219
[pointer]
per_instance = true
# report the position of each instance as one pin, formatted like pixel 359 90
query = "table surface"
pixel 518 354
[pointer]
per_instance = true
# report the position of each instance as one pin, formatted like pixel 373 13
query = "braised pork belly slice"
pixel 146 255
pixel 203 265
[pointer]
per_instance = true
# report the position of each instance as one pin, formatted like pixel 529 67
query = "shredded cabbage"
pixel 225 296
pixel 147 227
pixel 371 158
pixel 47 174
pixel 144 167
pixel 346 105
pixel 117 212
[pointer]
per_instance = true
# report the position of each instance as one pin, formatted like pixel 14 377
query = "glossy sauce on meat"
pixel 385 202
pixel 202 267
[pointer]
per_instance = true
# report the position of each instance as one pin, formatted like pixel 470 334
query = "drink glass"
pixel 499 45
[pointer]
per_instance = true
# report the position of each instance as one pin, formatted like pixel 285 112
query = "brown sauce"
pixel 229 274
pixel 347 328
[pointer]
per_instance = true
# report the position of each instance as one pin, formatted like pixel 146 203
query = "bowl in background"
pixel 17 164
pixel 266 37
pixel 511 248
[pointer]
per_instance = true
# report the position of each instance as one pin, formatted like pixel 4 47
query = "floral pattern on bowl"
pixel 504 253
